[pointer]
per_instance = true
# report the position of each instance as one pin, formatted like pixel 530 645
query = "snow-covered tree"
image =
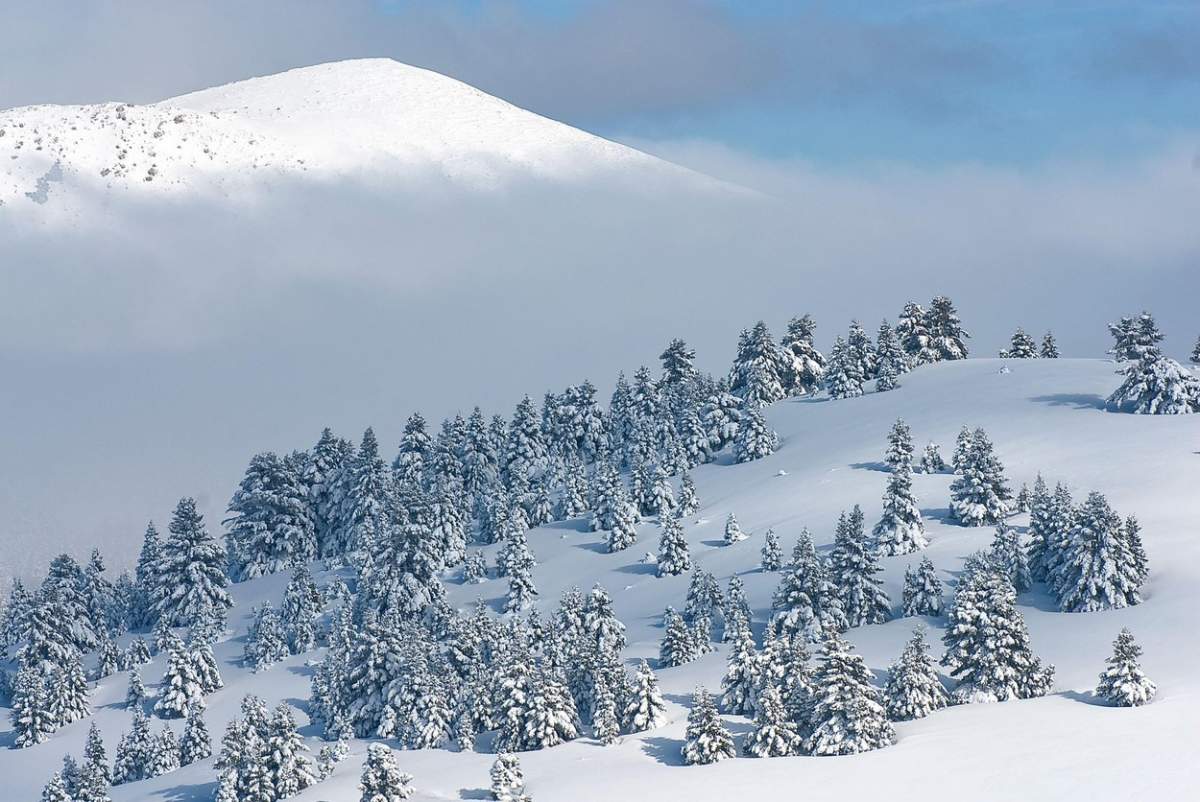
pixel 196 743
pixel 774 733
pixel 644 705
pixel 733 530
pixel 843 376
pixel 1098 570
pixel 922 590
pixel 987 642
pixel 191 571
pixel 1155 385
pixel 847 711
pixel 302 603
pixel 521 590
pixel 1021 346
pixel 412 458
pixel 135 697
pixel 266 641
pixel 913 335
pixel 382 780
pixel 981 495
pixel 164 753
pixel 706 739
pixel 1008 557
pixel 56 790
pixel 931 460
pixel 900 446
pixel 962 449
pixel 946 334
pixel 1123 683
pixel 181 687
pixel 1049 347
pixel 755 439
pixel 291 769
pixel 772 552
pixel 900 529
pixel 807 364
pixel 889 354
pixel 605 726
pixel 853 567
pixel 1133 539
pixel 673 556
pixel 67 691
pixel 475 568
pixel 741 675
pixel 759 369
pixel 677 646
pixel 270 527
pixel 688 502
pixel 508 781
pixel 913 688
pixel 131 761
pixel 806 602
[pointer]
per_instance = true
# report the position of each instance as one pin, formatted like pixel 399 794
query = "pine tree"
pixel 412 459
pixel 741 675
pixel 1024 499
pixel 772 553
pixel 270 524
pixel 755 439
pixel 962 449
pixel 848 714
pixel 55 790
pixel 67 692
pixel 1022 346
pixel 605 727
pixel 981 495
pixel 900 446
pixel 1137 553
pixel 328 758
pixel 913 689
pixel 1009 558
pixel 662 496
pixel 1123 683
pixel 913 334
pixel 807 364
pixel 806 602
pixel 266 643
pixel 853 567
pixel 181 688
pixel 946 334
pixel 291 770
pixel 644 707
pixel 1195 358
pixel 889 354
pixel 1041 531
pixel 931 460
pixel 1049 347
pixel 1098 569
pixel 673 556
pixel 733 531
pixel 382 780
pixel 138 653
pixel 1154 383
pixel 521 591
pixel 196 743
pixel 475 568
pixel 774 734
pixel 192 576
pixel 677 645
pixel 760 368
pixel 508 782
pixel 706 740
pixel 688 502
pixel 922 590
pixel 359 497
pixel 131 761
pixel 900 530
pixel 95 761
pixel 843 377
pixel 164 753
pixel 987 643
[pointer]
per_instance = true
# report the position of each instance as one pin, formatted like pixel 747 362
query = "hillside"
pixel 1043 415
pixel 374 120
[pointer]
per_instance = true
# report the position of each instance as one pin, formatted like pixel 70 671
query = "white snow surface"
pixel 371 119
pixel 1043 416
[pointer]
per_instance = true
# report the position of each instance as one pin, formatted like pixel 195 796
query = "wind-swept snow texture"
pixel 1043 415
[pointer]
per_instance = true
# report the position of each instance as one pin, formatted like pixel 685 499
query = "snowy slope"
pixel 1043 416
pixel 371 119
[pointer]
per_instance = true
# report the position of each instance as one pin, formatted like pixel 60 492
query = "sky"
pixel 1038 162
pixel 849 84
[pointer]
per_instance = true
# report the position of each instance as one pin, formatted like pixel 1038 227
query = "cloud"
pixel 607 61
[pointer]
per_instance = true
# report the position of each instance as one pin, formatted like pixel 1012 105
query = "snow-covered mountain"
pixel 1044 417
pixel 371 119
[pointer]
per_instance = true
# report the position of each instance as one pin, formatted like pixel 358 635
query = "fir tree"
pixel 1137 553
pixel 806 602
pixel 291 770
pixel 192 576
pixel 733 531
pixel 772 553
pixel 95 761
pixel 108 658
pixel 913 688
pixel 360 495
pixel 412 459
pixel 807 364
pixel 131 760
pixel 843 377
pixel 508 782
pixel 688 502
pixel 981 495
pixel 853 567
pixel 678 363
pixel 931 460
pixel 1009 558
pixel 847 711
pixel 922 590
pixel 760 368
pixel 900 446
pixel 1024 499
pixel 181 687
pixel 1022 346
pixel 1154 383
pixel 755 439
pixel 900 530
pixel 1195 358
pixel 889 354
pixel 1098 570
pixel 266 643
pixel 673 557
pixel 946 334
pixel 196 743
pixel 913 335
pixel 644 707
pixel 774 734
pixel 164 753
pixel 741 675
pixel 706 739
pixel 605 727
pixel 623 532
pixel 475 568
pixel 987 643
pixel 138 653
pixel 1041 529
pixel 1123 683
pixel 677 646
pixel 67 692
pixel 270 525
pixel 55 790
pixel 302 605
pixel 1049 347
pixel 962 449
pixel 382 780
pixel 521 591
